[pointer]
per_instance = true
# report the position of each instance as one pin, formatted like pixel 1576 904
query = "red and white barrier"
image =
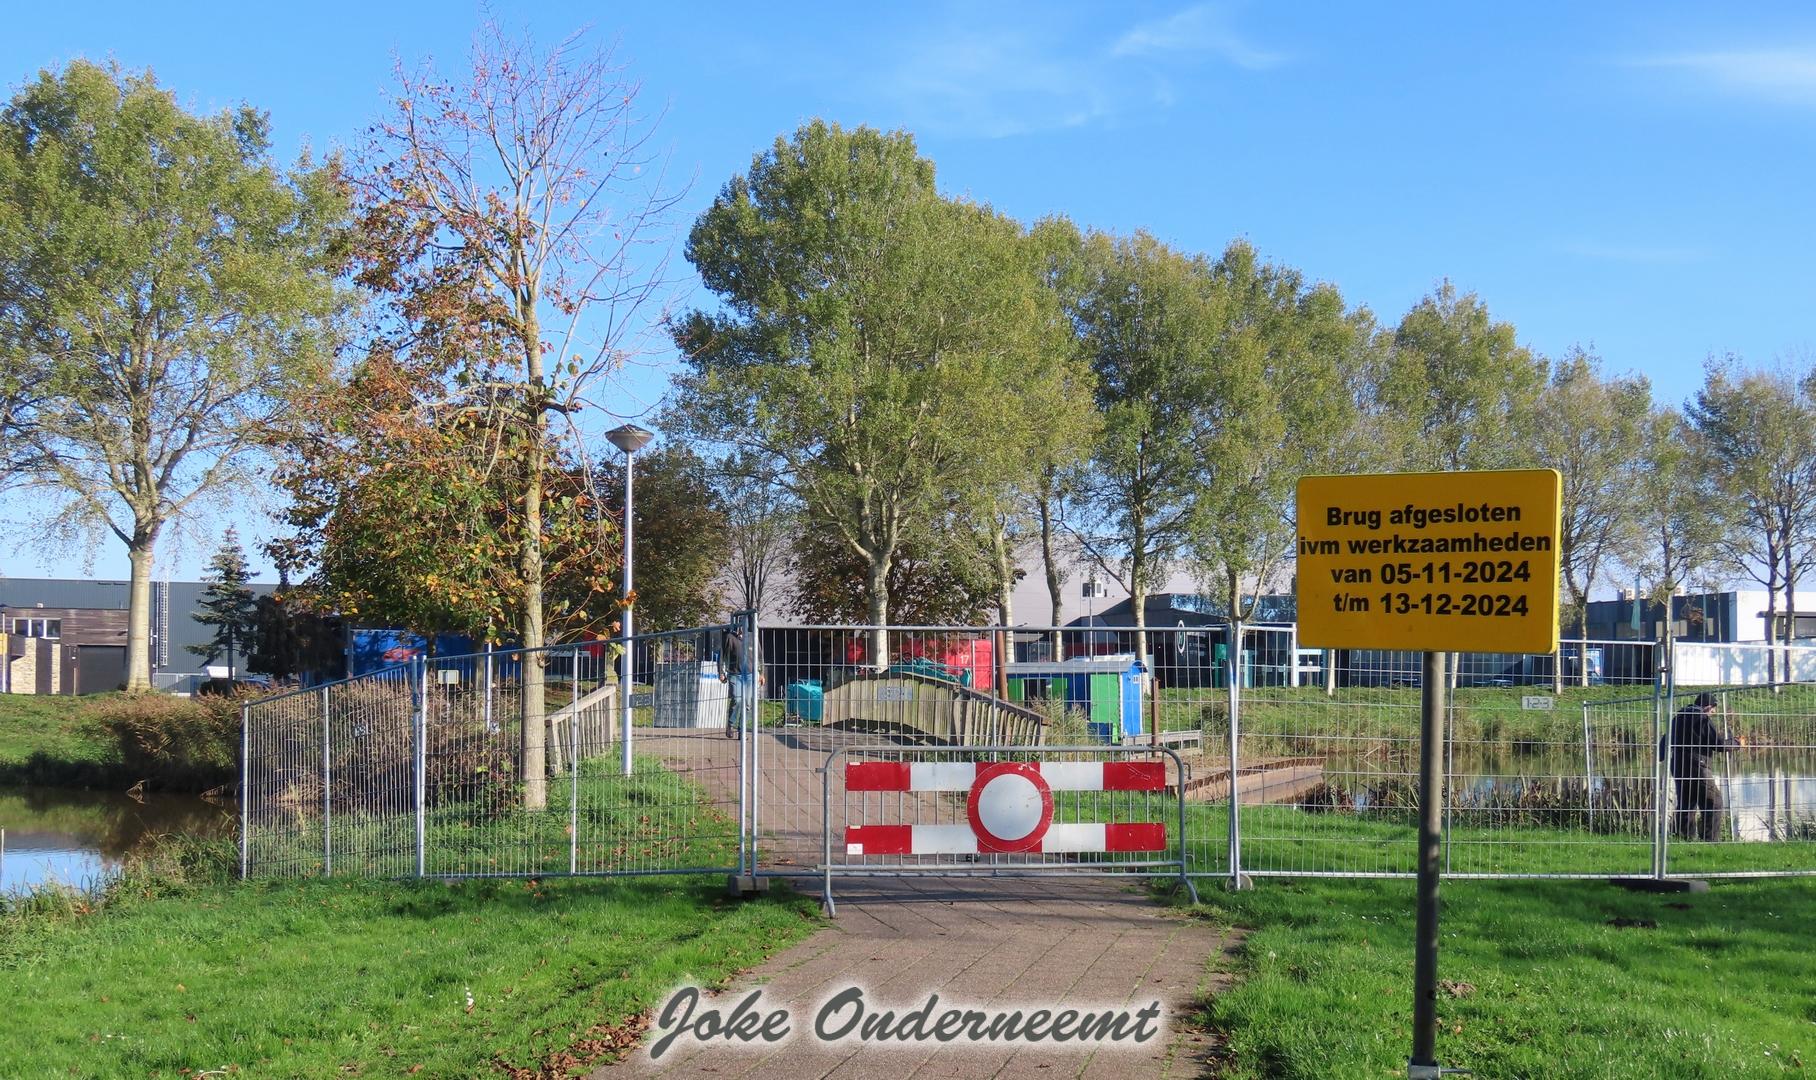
pixel 962 775
pixel 1010 807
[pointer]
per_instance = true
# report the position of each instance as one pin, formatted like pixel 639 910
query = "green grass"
pixel 370 978
pixel 1280 838
pixel 49 740
pixel 1566 979
pixel 1486 715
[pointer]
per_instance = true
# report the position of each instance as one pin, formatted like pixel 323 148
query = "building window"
pixel 41 628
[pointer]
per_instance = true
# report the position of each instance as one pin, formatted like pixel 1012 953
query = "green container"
pixel 806 701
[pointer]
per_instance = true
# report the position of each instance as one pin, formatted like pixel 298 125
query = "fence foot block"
pixel 745 886
pixel 1661 885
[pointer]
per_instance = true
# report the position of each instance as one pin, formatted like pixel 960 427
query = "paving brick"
pixel 983 941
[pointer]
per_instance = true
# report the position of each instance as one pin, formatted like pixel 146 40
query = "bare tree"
pixel 761 522
pixel 536 175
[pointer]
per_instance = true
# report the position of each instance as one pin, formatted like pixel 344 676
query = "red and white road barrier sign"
pixel 1009 805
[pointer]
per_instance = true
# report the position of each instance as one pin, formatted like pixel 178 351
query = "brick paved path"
pixel 989 943
pixel 980 942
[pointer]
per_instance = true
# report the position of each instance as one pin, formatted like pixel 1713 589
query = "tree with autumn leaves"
pixel 510 238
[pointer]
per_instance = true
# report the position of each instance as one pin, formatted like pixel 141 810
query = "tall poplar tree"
pixel 1757 429
pixel 871 335
pixel 1591 428
pixel 1463 387
pixel 1146 317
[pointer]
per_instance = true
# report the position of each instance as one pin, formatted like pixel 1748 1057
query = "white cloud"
pixel 995 84
pixel 1785 75
pixel 997 80
pixel 1204 29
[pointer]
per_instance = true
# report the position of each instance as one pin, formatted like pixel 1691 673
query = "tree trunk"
pixel 534 735
pixel 1771 614
pixel 1582 633
pixel 139 552
pixel 879 612
pixel 1138 606
pixel 1790 607
pixel 1138 587
pixel 1054 586
pixel 1557 658
pixel 1005 579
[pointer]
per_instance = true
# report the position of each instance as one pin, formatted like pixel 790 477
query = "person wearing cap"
pixel 1693 738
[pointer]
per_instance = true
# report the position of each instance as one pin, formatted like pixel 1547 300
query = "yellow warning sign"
pixel 1438 562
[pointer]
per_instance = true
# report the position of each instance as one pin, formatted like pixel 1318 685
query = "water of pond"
pixel 1762 791
pixel 80 837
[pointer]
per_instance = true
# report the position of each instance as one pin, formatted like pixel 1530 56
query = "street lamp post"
pixel 629 438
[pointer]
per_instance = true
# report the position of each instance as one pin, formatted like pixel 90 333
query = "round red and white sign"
pixel 1010 807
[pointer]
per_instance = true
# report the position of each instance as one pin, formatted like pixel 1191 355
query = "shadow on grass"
pixel 432 898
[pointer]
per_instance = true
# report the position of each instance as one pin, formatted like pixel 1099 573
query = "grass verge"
pixel 50 741
pixel 1542 978
pixel 176 970
pixel 365 978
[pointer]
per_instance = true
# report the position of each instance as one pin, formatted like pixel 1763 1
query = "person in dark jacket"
pixel 735 669
pixel 1694 737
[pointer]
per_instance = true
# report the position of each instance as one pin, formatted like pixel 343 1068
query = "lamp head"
pixel 630 438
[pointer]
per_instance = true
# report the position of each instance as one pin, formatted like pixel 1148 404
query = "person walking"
pixel 1694 738
pixel 735 671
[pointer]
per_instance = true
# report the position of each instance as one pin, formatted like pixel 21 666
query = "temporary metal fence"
pixel 423 768
pixel 1538 784
pixel 1741 800
pixel 1287 761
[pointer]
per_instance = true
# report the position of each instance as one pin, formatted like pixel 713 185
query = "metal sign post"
pixel 1424 1062
pixel 1437 563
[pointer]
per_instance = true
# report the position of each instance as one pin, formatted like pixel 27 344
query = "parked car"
pixel 245 684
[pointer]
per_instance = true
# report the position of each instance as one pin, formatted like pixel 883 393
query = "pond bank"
pixel 80 838
pixel 118 742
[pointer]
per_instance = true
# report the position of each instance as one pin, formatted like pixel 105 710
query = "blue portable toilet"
pixel 1107 689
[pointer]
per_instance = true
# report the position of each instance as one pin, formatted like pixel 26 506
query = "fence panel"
pixel 678 808
pixel 281 788
pixel 1743 798
pixel 1536 786
pixel 418 769
pixel 1348 765
pixel 1302 762
pixel 372 725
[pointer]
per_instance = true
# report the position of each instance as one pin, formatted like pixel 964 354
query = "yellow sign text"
pixel 1434 562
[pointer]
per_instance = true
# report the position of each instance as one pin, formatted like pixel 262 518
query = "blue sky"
pixel 1635 178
